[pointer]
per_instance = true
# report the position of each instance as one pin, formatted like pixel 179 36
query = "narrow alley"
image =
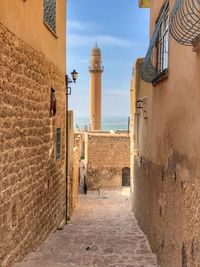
pixel 103 232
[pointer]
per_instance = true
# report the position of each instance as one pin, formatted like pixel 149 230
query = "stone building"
pixel 74 155
pixel 32 124
pixel 107 160
pixel 166 198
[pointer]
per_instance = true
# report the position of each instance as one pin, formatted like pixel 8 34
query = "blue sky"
pixel 121 30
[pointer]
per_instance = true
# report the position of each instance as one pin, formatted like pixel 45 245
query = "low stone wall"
pixel 32 180
pixel 107 155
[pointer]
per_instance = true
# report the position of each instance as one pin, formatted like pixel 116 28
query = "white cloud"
pixel 104 39
pixel 78 25
pixel 81 39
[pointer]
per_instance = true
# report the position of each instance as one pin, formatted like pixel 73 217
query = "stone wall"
pixel 107 155
pixel 73 177
pixel 32 180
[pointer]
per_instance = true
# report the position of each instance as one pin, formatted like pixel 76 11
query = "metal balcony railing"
pixel 185 21
pixel 150 70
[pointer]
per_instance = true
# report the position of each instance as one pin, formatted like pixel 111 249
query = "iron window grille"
pixel 50 14
pixel 185 21
pixel 156 61
pixel 163 44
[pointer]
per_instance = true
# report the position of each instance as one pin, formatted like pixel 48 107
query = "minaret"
pixel 95 89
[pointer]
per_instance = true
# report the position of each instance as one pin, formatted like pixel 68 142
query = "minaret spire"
pixel 95 88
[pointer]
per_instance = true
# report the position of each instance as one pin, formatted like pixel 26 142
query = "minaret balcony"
pixel 96 69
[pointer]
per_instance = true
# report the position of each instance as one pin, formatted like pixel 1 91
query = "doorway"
pixel 126 176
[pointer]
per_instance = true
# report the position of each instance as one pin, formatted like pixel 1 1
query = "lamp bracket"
pixel 69 90
pixel 139 103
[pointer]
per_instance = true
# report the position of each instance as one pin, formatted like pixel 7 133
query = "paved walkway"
pixel 103 232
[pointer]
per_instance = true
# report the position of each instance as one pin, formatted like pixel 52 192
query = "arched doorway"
pixel 126 176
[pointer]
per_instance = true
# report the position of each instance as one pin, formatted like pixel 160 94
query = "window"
pixel 50 14
pixel 163 44
pixel 53 103
pixel 14 215
pixel 58 142
pixel 155 63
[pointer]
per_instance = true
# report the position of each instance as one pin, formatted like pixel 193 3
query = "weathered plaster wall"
pixel 166 182
pixel 107 155
pixel 166 204
pixel 32 181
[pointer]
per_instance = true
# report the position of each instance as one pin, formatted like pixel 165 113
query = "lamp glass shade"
pixel 74 75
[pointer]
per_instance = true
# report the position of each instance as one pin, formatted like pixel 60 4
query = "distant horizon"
pixel 109 122
pixel 108 115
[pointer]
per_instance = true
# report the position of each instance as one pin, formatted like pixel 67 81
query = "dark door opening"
pixel 126 176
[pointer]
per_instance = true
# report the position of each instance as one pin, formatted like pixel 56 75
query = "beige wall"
pixel 139 90
pixel 166 183
pixel 107 155
pixel 177 95
pixel 25 19
pixel 144 3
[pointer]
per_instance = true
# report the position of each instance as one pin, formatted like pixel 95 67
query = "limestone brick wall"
pixel 76 177
pixel 107 155
pixel 73 178
pixel 32 181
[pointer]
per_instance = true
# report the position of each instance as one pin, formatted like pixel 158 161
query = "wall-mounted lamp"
pixel 139 103
pixel 74 76
pixel 145 106
pixel 142 104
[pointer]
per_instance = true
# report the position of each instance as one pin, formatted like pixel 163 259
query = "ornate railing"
pixel 185 21
pixel 149 70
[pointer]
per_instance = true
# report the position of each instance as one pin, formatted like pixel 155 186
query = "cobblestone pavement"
pixel 103 232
